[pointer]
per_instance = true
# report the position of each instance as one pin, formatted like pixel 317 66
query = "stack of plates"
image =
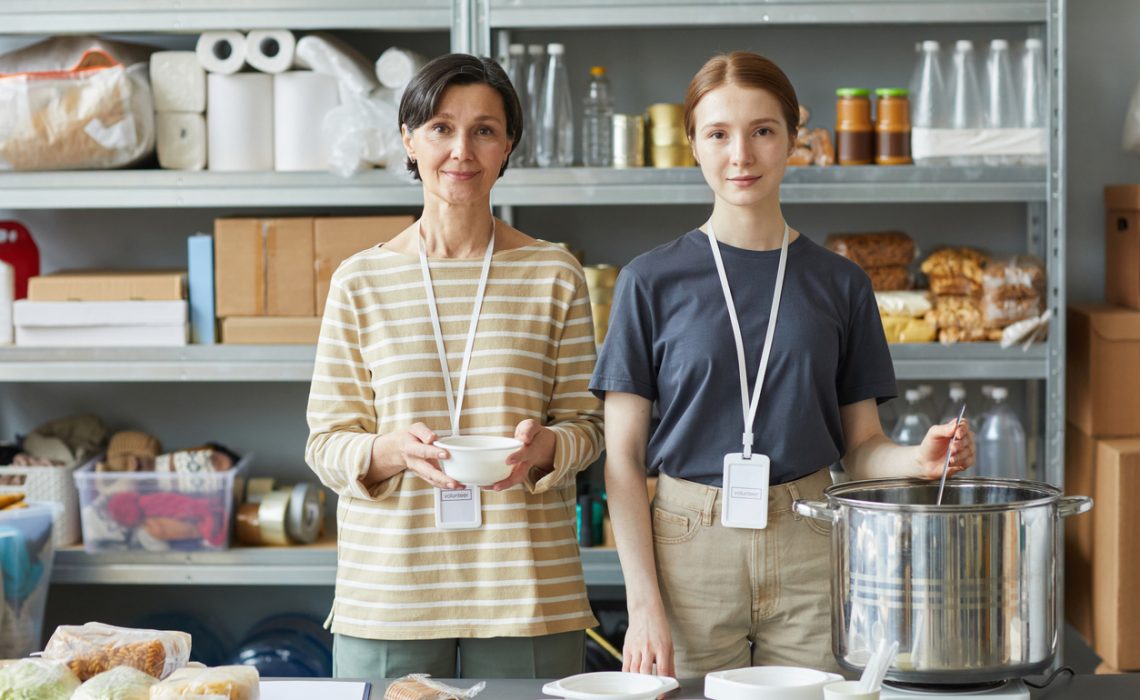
pixel 611 685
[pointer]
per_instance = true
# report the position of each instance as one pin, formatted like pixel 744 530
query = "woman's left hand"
pixel 537 451
pixel 932 452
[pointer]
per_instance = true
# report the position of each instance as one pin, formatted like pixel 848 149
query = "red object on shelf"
pixel 18 249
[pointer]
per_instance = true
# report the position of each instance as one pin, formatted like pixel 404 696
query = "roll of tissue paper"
pixel 221 52
pixel 178 82
pixel 181 140
pixel 326 54
pixel 270 50
pixel 396 67
pixel 301 99
pixel 239 124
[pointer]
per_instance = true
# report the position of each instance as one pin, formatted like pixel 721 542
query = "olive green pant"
pixel 548 656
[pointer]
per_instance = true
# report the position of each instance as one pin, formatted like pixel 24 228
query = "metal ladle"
pixel 946 466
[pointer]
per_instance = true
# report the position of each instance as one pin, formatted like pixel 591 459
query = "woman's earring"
pixel 413 161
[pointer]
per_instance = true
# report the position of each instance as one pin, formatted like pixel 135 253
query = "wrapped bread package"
pixel 960 319
pixel 1013 290
pixel 419 686
pixel 891 278
pixel 219 683
pixel 907 329
pixel 955 271
pixel 867 250
pixel 912 304
pixel 93 648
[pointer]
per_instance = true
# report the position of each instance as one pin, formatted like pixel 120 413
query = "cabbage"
pixel 36 679
pixel 120 683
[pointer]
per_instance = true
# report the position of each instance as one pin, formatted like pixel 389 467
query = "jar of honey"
pixel 892 127
pixel 854 133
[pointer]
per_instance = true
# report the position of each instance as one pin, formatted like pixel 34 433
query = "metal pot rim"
pixel 834 494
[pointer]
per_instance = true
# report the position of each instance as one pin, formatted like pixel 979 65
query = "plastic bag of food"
pixel 219 683
pixel 1013 290
pixel 886 248
pixel 37 679
pixel 97 114
pixel 959 319
pixel 907 329
pixel 420 686
pixel 120 683
pixel 93 648
pixel 955 271
pixel 892 278
pixel 913 304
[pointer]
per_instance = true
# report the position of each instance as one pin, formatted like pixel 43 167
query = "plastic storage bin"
pixel 157 511
pixel 54 484
pixel 26 554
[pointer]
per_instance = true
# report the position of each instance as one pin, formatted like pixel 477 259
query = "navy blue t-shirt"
pixel 670 340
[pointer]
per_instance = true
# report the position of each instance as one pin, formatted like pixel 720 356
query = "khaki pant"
pixel 546 656
pixel 737 597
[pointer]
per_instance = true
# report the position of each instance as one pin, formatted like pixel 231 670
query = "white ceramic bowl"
pixel 847 690
pixel 768 683
pixel 610 685
pixel 477 460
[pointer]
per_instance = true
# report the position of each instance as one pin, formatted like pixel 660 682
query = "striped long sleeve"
pixel 377 371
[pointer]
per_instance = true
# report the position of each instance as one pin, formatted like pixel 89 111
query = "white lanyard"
pixel 749 409
pixel 455 402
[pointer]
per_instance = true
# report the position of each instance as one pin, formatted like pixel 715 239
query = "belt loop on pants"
pixel 710 504
pixel 794 493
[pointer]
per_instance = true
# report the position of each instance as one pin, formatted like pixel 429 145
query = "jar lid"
pixel 852 92
pixel 892 92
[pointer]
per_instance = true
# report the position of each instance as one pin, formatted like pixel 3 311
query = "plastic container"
pixel 892 127
pixel 928 94
pixel 556 127
pixel 158 511
pixel 913 423
pixel 1002 108
pixel 957 400
pixel 1001 442
pixel 49 484
pixel 26 555
pixel 854 132
pixel 1034 109
pixel 597 124
pixel 967 110
pixel 517 68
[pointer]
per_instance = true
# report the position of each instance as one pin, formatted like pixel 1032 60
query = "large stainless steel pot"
pixel 967 588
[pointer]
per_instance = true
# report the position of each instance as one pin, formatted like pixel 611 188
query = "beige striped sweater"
pixel 377 371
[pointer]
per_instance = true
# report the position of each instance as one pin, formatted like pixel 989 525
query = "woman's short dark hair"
pixel 422 95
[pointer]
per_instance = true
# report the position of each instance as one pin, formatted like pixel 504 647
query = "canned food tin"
pixel 628 141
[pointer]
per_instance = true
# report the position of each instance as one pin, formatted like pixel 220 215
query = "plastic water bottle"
pixel 966 108
pixel 597 121
pixel 1034 108
pixel 517 66
pixel 957 401
pixel 928 405
pixel 556 130
pixel 913 424
pixel 535 76
pixel 928 94
pixel 1001 442
pixel 1003 110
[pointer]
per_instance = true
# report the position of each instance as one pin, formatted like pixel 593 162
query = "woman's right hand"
pixel 648 641
pixel 412 449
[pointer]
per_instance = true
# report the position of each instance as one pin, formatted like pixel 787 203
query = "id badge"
pixel 744 497
pixel 458 509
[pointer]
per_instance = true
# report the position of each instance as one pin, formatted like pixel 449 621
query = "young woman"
pixel 766 358
pixel 507 597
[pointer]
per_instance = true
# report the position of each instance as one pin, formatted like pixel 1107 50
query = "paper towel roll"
pixel 301 99
pixel 221 52
pixel 7 296
pixel 178 82
pixel 326 54
pixel 395 67
pixel 239 124
pixel 270 50
pixel 181 140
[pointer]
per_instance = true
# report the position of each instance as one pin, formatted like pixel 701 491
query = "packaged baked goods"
pixel 219 683
pixel 908 329
pixel 419 686
pixel 958 319
pixel 955 271
pixel 873 249
pixel 93 648
pixel 120 683
pixel 37 679
pixel 892 278
pixel 1013 290
pixel 913 304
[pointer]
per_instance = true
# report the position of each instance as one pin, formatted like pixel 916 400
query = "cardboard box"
pixel 1115 566
pixel 1103 370
pixel 109 285
pixel 264 267
pixel 1122 245
pixel 100 323
pixel 338 238
pixel 269 330
pixel 1080 465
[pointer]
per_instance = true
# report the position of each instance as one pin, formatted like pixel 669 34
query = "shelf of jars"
pixel 168 189
pixel 179 16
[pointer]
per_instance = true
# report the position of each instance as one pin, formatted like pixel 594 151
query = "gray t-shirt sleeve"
pixel 625 362
pixel 866 370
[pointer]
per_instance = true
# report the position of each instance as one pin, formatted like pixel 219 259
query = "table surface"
pixel 1115 687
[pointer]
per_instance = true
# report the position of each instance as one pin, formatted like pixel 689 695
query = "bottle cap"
pixel 963 45
pixel 852 92
pixel 892 92
pixel 535 49
pixel 913 395
pixel 929 45
pixel 555 49
pixel 516 49
pixel 1034 43
pixel 999 44
pixel 1000 393
pixel 925 390
pixel 957 393
pixel 598 71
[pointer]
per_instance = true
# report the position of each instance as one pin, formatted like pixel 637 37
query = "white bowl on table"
pixel 477 460
pixel 768 683
pixel 610 685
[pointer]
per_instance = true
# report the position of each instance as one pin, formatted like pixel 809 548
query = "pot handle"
pixel 814 509
pixel 1073 505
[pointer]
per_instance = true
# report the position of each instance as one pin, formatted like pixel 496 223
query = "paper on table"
pixel 307 690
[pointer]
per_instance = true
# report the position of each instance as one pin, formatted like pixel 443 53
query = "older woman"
pixel 460 320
